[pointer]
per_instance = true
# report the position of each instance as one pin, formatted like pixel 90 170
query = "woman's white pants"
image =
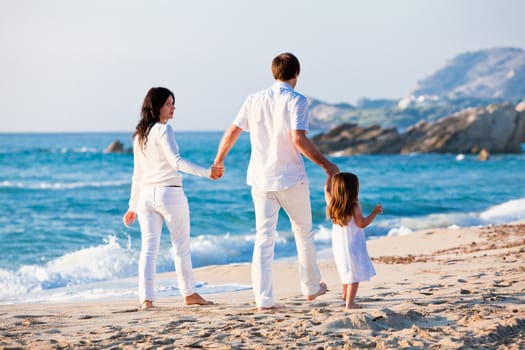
pixel 160 205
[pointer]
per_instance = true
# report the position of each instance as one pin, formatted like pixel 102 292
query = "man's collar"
pixel 279 83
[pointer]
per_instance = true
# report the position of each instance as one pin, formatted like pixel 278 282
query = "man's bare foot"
pixel 196 299
pixel 354 306
pixel 146 305
pixel 270 308
pixel 322 290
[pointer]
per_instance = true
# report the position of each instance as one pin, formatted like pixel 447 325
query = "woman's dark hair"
pixel 285 67
pixel 154 100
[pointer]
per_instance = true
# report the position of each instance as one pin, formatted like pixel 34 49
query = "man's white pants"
pixel 296 203
pixel 169 205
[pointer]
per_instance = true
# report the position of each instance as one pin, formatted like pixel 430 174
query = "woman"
pixel 157 196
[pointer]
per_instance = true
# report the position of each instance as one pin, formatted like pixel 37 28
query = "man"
pixel 277 121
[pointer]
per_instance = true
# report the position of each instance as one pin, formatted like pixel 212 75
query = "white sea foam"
pixel 400 231
pixel 65 150
pixel 219 250
pixel 105 271
pixel 101 272
pixel 117 289
pixel 86 150
pixel 98 263
pixel 323 234
pixel 61 185
pixel 510 211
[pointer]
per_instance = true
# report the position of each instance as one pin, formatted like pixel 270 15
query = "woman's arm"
pixel 136 178
pixel 171 151
pixel 130 215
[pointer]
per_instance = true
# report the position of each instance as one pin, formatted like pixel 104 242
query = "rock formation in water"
pixel 496 128
pixel 117 147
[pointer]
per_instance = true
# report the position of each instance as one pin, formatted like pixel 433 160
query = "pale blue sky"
pixel 69 65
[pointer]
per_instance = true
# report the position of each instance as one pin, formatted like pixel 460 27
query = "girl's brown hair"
pixel 344 192
pixel 150 112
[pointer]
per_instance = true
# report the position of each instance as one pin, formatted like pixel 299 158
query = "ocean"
pixel 63 197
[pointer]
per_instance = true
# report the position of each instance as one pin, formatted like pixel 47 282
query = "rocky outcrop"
pixel 349 139
pixel 496 128
pixel 483 155
pixel 117 147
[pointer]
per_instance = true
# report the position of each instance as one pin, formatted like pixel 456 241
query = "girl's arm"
pixel 363 222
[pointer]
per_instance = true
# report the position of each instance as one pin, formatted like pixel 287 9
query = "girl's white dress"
pixel 350 253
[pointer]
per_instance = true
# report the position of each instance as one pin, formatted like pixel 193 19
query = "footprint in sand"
pixel 54 331
pixel 29 322
pixel 370 299
pixel 86 317
pixel 125 311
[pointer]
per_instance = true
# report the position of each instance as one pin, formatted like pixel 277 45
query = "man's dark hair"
pixel 285 66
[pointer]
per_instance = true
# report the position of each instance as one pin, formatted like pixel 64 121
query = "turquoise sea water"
pixel 62 200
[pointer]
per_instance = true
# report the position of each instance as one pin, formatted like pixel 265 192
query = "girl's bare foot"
pixel 146 305
pixel 322 290
pixel 196 299
pixel 354 306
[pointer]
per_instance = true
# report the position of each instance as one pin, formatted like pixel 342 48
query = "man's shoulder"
pixel 295 98
pixel 298 96
pixel 260 95
pixel 291 93
pixel 262 92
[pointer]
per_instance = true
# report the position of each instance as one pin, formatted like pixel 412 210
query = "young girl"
pixel 348 237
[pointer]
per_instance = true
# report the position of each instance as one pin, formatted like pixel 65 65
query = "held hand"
pixel 378 209
pixel 216 172
pixel 129 218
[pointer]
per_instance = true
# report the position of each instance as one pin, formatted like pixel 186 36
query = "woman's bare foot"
pixel 196 299
pixel 354 306
pixel 322 290
pixel 146 305
pixel 270 308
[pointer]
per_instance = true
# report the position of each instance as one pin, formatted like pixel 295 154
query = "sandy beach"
pixel 458 288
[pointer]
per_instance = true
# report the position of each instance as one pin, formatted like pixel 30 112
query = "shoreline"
pixel 449 288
